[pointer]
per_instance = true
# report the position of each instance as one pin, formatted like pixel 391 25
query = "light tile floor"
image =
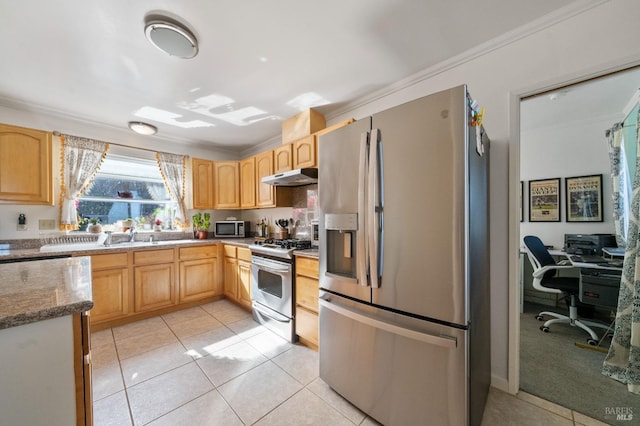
pixel 213 365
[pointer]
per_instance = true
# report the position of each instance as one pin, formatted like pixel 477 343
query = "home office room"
pixel 577 155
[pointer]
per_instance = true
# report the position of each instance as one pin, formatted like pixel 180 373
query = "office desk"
pixel 602 280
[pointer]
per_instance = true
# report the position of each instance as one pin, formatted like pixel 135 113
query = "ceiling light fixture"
pixel 143 128
pixel 172 38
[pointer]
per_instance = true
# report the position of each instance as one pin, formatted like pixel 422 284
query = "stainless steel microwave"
pixel 231 229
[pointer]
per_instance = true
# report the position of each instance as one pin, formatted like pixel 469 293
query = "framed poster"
pixel 521 201
pixel 584 198
pixel 544 200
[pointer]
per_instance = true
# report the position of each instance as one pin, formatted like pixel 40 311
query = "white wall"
pixel 571 149
pixel 581 44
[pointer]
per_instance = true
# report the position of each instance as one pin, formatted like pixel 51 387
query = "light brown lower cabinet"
pixel 112 296
pixel 154 279
pixel 198 273
pixel 237 274
pixel 307 301
pixel 82 368
pixel 136 284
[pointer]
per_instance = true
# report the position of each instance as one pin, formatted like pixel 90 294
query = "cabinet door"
pixel 244 283
pixel 307 293
pixel 248 183
pixel 307 267
pixel 202 180
pixel 25 166
pixel 307 326
pixel 197 279
pixel 231 278
pixel 110 294
pixel 226 177
pixel 154 287
pixel 304 152
pixel 283 158
pixel 264 167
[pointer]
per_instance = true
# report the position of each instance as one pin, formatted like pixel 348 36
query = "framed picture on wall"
pixel 521 201
pixel 544 200
pixel 584 198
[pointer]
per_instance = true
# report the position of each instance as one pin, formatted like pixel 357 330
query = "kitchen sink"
pixel 118 245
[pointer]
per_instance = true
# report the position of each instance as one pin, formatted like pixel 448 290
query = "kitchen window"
pixel 128 188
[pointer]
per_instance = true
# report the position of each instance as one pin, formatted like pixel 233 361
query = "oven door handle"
pixel 271 314
pixel 281 271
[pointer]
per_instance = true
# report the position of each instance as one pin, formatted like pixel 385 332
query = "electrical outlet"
pixel 46 224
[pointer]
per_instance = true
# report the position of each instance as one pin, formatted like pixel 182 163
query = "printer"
pixel 590 244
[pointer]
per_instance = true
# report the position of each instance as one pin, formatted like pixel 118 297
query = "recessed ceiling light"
pixel 143 128
pixel 171 38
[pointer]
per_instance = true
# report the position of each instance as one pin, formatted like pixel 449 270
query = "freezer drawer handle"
pixel 444 341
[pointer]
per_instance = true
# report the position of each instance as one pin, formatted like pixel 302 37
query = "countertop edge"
pixel 36 253
pixel 45 314
pixel 310 253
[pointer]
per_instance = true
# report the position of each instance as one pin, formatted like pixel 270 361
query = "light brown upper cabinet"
pixel 304 152
pixel 264 167
pixel 202 175
pixel 268 195
pixel 283 158
pixel 25 166
pixel 248 183
pixel 226 183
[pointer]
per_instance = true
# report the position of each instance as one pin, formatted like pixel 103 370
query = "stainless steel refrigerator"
pixel 404 262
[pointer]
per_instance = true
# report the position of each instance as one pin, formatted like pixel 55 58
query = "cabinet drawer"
pixel 198 252
pixel 244 254
pixel 153 256
pixel 230 251
pixel 307 325
pixel 307 267
pixel 307 293
pixel 104 261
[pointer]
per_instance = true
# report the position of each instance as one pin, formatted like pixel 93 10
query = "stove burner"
pixel 288 244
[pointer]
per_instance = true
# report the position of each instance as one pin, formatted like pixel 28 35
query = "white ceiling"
pixel 608 96
pixel 90 59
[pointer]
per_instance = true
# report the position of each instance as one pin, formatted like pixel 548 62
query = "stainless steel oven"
pixel 272 294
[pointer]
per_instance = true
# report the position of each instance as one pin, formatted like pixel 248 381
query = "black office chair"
pixel 545 279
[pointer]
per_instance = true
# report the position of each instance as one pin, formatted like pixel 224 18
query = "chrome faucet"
pixel 107 242
pixel 132 234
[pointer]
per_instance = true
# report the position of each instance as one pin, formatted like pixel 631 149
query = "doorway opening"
pixel 562 137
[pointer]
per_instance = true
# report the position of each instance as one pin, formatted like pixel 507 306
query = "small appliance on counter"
pixel 231 228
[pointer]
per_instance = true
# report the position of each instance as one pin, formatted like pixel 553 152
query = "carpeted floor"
pixel 554 368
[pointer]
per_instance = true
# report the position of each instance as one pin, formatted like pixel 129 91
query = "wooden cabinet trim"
pixel 199 252
pixel 148 257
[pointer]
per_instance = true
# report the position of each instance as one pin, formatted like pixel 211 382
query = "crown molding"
pixel 551 19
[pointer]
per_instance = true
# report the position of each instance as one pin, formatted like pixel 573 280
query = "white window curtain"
pixel 623 359
pixel 173 171
pixel 621 185
pixel 81 159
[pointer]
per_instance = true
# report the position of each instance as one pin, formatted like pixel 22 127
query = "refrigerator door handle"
pixel 361 244
pixel 373 210
pixel 439 340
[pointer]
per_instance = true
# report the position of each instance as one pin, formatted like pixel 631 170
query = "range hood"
pixel 297 177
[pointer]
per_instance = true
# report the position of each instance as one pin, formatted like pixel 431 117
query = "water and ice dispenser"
pixel 341 230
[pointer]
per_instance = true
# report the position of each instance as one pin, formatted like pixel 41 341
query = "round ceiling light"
pixel 143 128
pixel 171 38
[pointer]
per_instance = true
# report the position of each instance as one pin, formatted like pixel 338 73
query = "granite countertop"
pixel 312 253
pixel 44 289
pixel 86 249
